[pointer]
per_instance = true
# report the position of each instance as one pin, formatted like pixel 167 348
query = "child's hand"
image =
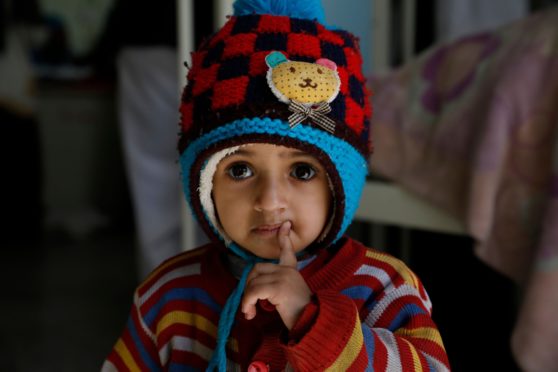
pixel 281 285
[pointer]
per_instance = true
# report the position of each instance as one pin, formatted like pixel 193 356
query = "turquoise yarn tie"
pixel 219 358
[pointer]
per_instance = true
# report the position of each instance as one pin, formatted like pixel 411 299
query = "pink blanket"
pixel 472 127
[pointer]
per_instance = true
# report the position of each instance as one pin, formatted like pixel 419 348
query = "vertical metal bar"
pixel 381 25
pixel 222 8
pixel 185 29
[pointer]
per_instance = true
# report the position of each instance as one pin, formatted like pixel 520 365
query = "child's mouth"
pixel 267 230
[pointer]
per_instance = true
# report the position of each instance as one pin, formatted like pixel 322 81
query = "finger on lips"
pixel 287 256
pixel 262 275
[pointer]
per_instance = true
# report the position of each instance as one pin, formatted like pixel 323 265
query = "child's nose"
pixel 271 194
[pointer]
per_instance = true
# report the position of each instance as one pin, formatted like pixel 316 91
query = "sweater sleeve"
pixel 136 349
pixel 381 322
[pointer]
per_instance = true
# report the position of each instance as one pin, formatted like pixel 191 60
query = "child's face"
pixel 261 186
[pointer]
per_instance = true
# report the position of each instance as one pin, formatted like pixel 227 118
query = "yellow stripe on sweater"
pixel 351 351
pixel 127 358
pixel 416 359
pixel 426 333
pixel 193 320
pixel 397 264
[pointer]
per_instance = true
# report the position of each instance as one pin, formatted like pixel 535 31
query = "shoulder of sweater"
pixel 182 265
pixel 176 289
pixel 378 263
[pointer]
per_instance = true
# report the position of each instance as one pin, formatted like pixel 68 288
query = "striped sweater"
pixel 368 312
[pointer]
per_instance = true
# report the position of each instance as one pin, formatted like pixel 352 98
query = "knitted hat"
pixel 274 73
pixel 238 92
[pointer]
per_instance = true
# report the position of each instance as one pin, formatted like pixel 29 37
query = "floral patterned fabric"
pixel 472 127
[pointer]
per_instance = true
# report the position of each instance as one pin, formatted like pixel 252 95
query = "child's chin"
pixel 268 254
pixel 263 249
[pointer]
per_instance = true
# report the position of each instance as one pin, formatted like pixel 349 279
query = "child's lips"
pixel 267 229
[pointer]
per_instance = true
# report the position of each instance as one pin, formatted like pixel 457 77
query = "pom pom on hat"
pixel 303 9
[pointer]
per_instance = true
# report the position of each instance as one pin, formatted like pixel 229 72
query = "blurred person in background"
pixel 138 45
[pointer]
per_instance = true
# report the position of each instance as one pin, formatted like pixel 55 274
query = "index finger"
pixel 287 255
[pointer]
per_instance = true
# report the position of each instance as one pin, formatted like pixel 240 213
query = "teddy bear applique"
pixel 307 87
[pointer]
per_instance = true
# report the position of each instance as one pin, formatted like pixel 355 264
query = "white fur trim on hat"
pixel 206 186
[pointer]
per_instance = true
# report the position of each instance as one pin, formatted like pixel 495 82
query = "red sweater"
pixel 369 311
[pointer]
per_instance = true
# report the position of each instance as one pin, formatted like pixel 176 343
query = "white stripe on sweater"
pixel 387 282
pixel 383 304
pixel 108 367
pixel 183 344
pixel 190 345
pixel 393 356
pixel 189 270
pixel 377 273
pixel 435 363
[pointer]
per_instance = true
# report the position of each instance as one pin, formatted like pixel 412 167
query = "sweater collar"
pixel 236 264
pixel 328 268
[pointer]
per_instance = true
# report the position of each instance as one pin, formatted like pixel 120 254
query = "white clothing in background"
pixel 148 115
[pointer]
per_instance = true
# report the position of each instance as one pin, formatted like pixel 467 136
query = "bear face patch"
pixel 308 83
pixel 308 88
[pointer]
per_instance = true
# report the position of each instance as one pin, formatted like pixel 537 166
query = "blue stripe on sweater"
pixel 150 363
pixel 408 311
pixel 359 292
pixel 369 344
pixel 184 294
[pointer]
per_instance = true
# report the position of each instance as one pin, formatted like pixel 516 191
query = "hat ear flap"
pixel 275 58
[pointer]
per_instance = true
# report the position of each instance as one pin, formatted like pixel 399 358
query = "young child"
pixel 274 151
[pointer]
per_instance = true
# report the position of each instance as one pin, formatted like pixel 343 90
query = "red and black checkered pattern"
pixel 227 79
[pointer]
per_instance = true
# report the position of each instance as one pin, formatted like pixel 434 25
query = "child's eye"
pixel 303 172
pixel 239 171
